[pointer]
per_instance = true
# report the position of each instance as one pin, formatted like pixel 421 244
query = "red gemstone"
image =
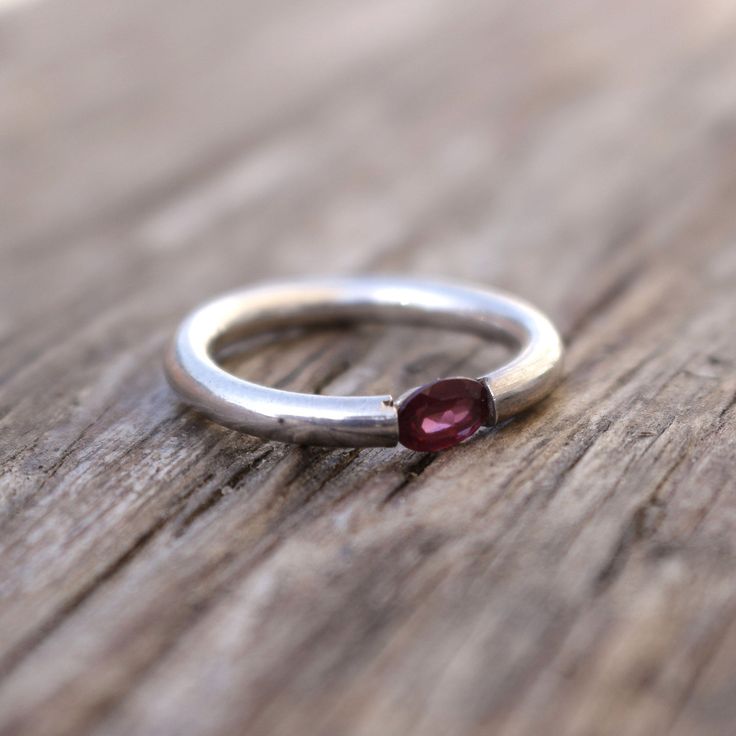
pixel 442 414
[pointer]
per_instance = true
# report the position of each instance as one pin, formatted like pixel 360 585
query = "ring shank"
pixel 353 421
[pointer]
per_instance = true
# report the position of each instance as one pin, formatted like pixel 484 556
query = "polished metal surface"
pixel 352 421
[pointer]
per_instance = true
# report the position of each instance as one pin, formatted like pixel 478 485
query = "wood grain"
pixel 569 573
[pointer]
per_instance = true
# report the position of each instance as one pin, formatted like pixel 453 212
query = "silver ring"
pixel 430 417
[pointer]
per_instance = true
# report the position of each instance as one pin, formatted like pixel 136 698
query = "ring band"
pixel 430 417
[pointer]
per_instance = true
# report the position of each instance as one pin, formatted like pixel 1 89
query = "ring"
pixel 432 417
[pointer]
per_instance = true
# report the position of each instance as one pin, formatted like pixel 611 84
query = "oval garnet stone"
pixel 442 414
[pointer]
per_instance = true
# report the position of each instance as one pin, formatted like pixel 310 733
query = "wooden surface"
pixel 571 573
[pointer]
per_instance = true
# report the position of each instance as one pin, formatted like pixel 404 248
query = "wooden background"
pixel 572 573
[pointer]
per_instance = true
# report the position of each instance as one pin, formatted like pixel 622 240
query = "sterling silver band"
pixel 352 421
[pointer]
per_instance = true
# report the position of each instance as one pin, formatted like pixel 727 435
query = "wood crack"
pixel 642 525
pixel 727 408
pixel 411 474
pixel 232 482
pixel 604 302
pixel 14 656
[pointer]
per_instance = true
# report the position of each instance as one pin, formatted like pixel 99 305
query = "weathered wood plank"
pixel 569 573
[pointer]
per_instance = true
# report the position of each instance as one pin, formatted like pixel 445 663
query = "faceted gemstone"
pixel 442 414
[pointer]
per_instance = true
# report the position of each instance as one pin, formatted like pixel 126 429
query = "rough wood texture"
pixel 571 573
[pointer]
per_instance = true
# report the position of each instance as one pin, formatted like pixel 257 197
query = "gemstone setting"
pixel 443 413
